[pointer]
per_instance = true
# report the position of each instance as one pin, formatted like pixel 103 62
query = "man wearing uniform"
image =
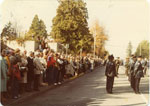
pixel 131 72
pixel 138 73
pixel 127 66
pixel 110 73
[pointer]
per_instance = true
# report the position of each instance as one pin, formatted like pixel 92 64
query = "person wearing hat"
pixel 30 72
pixel 17 56
pixel 131 72
pixel 138 73
pixel 110 73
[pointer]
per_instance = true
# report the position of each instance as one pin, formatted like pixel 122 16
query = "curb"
pixel 42 91
pixel 47 88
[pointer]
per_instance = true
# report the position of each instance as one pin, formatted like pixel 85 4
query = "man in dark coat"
pixel 30 73
pixel 110 73
pixel 131 72
pixel 138 73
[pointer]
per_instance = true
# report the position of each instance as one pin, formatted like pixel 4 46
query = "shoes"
pixel 15 97
pixel 137 92
pixel 55 83
pixel 59 83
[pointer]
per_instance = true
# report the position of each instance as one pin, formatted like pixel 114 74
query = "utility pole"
pixel 94 35
pixel 94 44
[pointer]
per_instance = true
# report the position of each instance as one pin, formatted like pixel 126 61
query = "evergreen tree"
pixel 70 26
pixel 37 29
pixel 43 31
pixel 129 49
pixel 9 32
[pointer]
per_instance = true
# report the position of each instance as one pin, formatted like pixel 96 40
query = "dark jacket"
pixel 31 67
pixel 138 70
pixel 110 69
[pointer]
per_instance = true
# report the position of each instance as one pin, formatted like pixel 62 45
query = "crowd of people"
pixel 26 72
pixel 135 69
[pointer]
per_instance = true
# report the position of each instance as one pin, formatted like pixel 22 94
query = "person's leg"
pixel 57 75
pixel 111 84
pixel 15 88
pixel 35 82
pixel 38 81
pixel 137 82
pixel 51 76
pixel 107 84
pixel 41 79
pixel 133 82
pixel 145 69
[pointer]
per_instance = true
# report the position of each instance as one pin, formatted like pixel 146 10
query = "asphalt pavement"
pixel 89 90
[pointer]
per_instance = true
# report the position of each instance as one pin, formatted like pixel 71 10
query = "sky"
pixel 123 20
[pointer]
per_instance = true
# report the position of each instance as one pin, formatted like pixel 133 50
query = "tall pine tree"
pixel 37 29
pixel 129 49
pixel 70 26
pixel 9 31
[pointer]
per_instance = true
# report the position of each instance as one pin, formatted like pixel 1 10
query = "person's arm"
pixel 115 70
pixel 106 70
pixel 136 66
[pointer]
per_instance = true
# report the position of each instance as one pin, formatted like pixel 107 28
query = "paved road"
pixel 89 90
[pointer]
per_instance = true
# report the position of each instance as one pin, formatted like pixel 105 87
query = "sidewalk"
pixel 43 89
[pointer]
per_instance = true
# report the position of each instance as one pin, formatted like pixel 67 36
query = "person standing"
pixel 131 72
pixel 23 70
pixel 15 74
pixel 138 73
pixel 42 76
pixel 91 64
pixel 30 72
pixel 110 73
pixel 37 71
pixel 50 68
pixel 4 70
pixel 127 66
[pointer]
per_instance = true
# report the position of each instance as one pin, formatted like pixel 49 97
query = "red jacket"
pixel 51 61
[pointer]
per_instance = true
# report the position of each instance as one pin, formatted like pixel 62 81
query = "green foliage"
pixel 70 26
pixel 9 32
pixel 143 47
pixel 37 29
pixel 129 49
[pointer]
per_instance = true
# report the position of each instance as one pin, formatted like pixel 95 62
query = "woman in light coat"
pixel 4 70
pixel 23 70
pixel 69 68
